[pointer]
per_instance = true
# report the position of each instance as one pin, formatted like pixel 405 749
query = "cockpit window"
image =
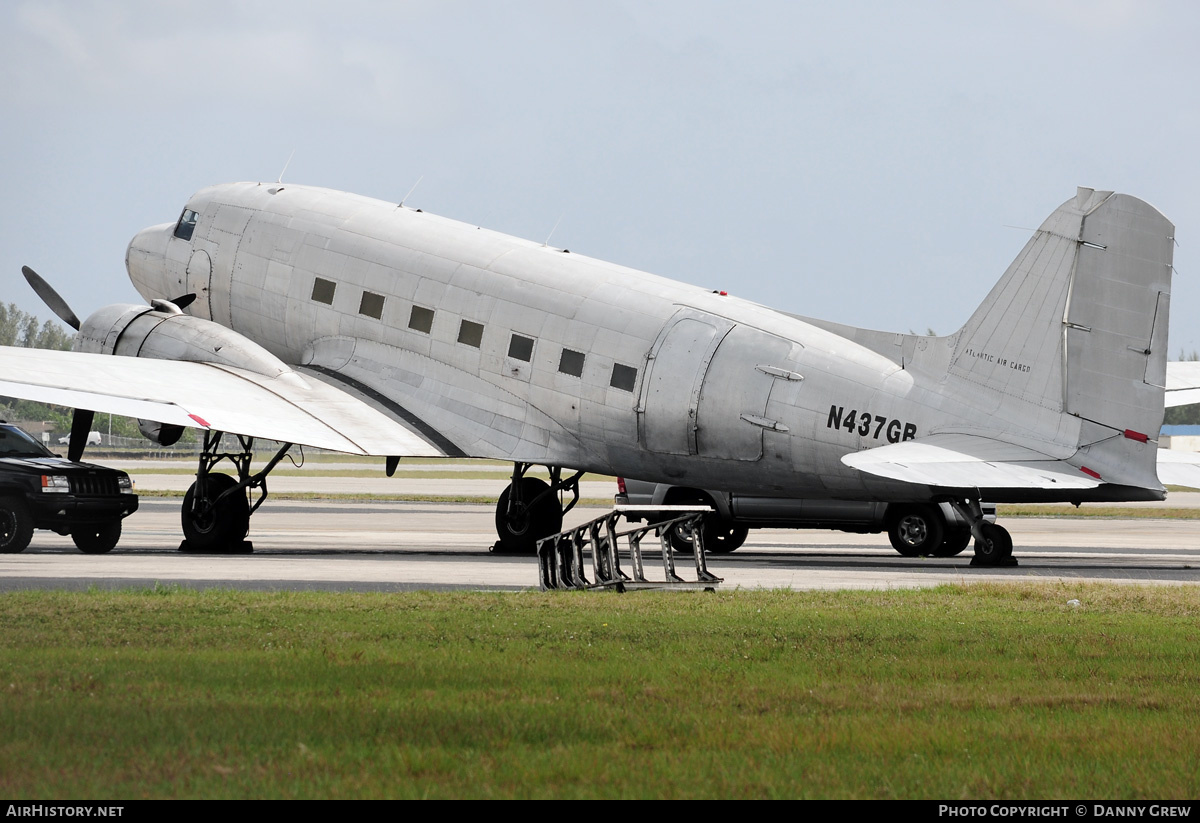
pixel 186 224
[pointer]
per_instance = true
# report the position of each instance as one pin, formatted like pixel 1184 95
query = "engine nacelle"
pixel 163 334
pixel 162 434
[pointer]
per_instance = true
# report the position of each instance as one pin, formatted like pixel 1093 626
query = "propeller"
pixel 81 420
pixel 81 426
pixel 174 306
pixel 51 298
pixel 59 306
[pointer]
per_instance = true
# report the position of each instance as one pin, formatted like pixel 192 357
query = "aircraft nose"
pixel 147 264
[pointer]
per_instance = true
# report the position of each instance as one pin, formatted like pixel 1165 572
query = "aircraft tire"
pixel 917 530
pixel 996 547
pixel 220 529
pixel 16 525
pixel 520 533
pixel 954 543
pixel 96 538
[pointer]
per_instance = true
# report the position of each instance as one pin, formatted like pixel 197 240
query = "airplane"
pixel 325 319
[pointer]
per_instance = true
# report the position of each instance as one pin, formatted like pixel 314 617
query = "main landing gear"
pixel 530 508
pixel 217 507
pixel 993 543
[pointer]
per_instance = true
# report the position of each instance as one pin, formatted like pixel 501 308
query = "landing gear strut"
pixel 529 509
pixel 993 543
pixel 217 508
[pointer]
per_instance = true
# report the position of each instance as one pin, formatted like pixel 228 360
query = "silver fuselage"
pixel 628 373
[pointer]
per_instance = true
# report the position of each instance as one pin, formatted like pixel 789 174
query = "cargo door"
pixel 675 373
pixel 732 417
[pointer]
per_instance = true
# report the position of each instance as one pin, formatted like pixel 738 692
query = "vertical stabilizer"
pixel 1115 328
pixel 1078 323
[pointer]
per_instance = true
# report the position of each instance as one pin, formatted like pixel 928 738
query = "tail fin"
pixel 1078 323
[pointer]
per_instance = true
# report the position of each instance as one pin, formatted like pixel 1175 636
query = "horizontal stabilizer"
pixel 1183 383
pixel 288 408
pixel 1179 468
pixel 962 461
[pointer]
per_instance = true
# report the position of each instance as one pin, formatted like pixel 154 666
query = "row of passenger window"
pixel 470 333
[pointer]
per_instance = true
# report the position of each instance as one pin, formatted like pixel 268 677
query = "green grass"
pixel 957 692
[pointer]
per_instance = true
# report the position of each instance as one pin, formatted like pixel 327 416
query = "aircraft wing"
pixel 1183 383
pixel 968 461
pixel 1179 468
pixel 290 408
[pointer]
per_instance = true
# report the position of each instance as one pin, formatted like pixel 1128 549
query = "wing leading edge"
pixel 1183 383
pixel 289 408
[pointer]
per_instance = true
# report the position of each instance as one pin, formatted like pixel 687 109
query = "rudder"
pixel 1078 322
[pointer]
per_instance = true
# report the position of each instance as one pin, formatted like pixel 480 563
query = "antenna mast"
pixel 285 165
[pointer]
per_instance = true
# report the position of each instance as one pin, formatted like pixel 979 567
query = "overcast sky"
pixel 863 162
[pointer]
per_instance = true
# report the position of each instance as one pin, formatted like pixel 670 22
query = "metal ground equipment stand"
pixel 561 561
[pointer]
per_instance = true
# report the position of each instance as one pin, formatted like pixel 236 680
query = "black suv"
pixel 39 490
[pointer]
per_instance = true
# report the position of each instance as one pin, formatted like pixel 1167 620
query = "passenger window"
pixel 623 377
pixel 571 363
pixel 470 334
pixel 323 290
pixel 371 305
pixel 520 348
pixel 186 224
pixel 421 319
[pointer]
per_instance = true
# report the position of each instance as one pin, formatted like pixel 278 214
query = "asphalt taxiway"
pixel 395 546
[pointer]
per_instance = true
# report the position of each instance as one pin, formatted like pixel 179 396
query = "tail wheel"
pixel 531 520
pixel 16 525
pixel 996 547
pixel 219 526
pixel 917 530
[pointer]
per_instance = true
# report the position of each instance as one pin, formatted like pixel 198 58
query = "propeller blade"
pixel 81 426
pixel 175 306
pixel 51 298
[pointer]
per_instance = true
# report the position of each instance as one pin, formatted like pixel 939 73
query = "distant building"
pixel 1181 438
